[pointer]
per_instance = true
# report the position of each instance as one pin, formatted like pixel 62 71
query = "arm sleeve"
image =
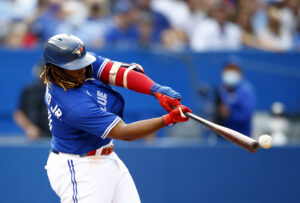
pixel 116 73
pixel 90 118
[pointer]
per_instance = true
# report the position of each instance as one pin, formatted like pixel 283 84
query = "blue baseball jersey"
pixel 81 118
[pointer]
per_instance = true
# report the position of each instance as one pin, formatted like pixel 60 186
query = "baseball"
pixel 265 141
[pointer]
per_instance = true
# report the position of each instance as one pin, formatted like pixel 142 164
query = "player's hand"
pixel 167 97
pixel 166 102
pixel 176 115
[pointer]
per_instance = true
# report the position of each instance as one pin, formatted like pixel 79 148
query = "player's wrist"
pixel 165 91
pixel 167 120
pixel 154 88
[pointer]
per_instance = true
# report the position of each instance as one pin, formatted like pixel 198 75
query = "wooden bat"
pixel 237 138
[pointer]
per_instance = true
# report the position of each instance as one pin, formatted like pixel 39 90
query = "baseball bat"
pixel 237 138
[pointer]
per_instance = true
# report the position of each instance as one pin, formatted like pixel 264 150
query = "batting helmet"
pixel 67 51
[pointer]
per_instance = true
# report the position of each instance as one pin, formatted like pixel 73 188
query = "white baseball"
pixel 265 141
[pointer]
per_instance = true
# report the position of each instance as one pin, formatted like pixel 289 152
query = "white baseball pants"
pixel 92 179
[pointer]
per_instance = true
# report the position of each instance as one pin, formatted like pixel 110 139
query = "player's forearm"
pixel 127 78
pixel 133 77
pixel 136 130
pixel 22 120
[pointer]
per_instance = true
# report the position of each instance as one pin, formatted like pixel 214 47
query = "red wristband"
pixel 167 120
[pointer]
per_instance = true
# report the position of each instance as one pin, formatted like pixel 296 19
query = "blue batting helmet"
pixel 67 51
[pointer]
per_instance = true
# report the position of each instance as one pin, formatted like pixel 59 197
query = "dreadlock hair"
pixel 56 75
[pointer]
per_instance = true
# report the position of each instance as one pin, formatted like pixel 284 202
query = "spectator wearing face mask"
pixel 236 99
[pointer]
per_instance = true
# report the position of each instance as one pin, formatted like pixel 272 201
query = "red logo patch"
pixel 78 50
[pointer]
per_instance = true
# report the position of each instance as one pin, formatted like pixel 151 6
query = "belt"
pixel 101 151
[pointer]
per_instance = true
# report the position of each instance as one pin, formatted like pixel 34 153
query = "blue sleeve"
pixel 241 104
pixel 98 65
pixel 242 109
pixel 90 118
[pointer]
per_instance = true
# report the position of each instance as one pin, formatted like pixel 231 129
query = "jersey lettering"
pixel 48 96
pixel 102 99
pixel 50 120
pixel 56 110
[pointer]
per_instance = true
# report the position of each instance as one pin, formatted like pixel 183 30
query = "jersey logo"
pixel 88 93
pixel 102 99
pixel 78 50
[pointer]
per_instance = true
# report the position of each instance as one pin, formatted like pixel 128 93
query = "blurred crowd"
pixel 199 25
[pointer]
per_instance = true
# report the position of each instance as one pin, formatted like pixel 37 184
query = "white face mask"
pixel 231 78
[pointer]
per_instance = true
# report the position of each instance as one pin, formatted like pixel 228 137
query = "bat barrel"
pixel 254 146
pixel 239 139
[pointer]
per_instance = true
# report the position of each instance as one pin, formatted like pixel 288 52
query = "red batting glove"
pixel 167 102
pixel 176 115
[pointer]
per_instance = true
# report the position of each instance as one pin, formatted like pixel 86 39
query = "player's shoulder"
pixel 66 100
pixel 98 64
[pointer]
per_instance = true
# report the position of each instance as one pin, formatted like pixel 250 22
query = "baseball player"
pixel 85 114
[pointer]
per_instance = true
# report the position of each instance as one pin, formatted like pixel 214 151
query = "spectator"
pixel 160 22
pixel 47 18
pixel 191 13
pixel 235 103
pixel 172 24
pixel 89 24
pixel 73 16
pixel 174 40
pixel 289 15
pixel 216 33
pixel 274 36
pixel 14 29
pixel 32 115
pixel 255 9
pixel 20 37
pixel 250 18
pixel 249 37
pixel 124 31
pixel 195 15
pixel 97 24
pixel 243 19
pixel 145 28
pixel 296 38
pixel 5 19
pixel 177 38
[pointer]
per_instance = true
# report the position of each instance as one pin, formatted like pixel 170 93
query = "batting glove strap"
pixel 164 90
pixel 154 88
pixel 176 115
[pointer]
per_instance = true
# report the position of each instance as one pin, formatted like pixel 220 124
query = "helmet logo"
pixel 78 50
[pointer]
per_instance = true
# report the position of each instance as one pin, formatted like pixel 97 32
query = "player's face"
pixel 78 74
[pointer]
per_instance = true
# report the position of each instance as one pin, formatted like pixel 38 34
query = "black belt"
pixel 54 151
pixel 57 152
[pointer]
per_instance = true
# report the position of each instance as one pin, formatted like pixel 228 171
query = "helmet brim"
pixel 79 63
